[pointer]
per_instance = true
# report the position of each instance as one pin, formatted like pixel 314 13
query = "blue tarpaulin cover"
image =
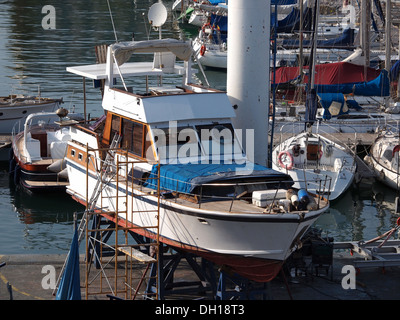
pixel 185 177
pixel 70 288
pixel 394 71
pixel 326 99
pixel 292 21
pixel 345 40
pixel 380 86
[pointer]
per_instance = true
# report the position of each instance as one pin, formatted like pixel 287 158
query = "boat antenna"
pixel 145 25
pixel 112 20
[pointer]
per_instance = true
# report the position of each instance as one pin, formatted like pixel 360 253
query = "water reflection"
pixel 364 212
pixel 35 57
pixel 34 223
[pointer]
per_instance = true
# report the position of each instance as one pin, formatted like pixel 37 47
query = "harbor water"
pixel 34 57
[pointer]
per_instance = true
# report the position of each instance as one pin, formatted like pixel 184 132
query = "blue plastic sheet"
pixel 185 177
pixel 70 288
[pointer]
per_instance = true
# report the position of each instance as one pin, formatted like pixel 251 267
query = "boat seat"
pixel 32 149
pixel 58 149
pixel 165 90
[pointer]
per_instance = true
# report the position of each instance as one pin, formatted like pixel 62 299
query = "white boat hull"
pixel 331 175
pixel 264 240
pixel 12 113
pixel 384 161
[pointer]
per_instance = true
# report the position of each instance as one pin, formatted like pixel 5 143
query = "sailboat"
pixel 310 158
pixel 214 202
pixel 312 155
pixel 383 158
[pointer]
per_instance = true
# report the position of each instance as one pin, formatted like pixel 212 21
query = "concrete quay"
pixel 27 273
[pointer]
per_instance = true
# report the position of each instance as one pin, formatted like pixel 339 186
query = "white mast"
pixel 248 80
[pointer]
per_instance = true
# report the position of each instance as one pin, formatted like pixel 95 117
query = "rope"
pixel 387 233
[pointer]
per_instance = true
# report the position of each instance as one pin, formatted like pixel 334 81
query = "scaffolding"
pixel 122 261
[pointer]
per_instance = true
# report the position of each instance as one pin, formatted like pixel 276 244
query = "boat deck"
pixel 41 184
pixel 228 205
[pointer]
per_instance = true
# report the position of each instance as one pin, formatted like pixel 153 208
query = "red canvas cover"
pixel 328 73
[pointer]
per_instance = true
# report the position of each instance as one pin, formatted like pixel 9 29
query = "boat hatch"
pixel 312 150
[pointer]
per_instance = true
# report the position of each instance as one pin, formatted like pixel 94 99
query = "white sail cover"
pixel 122 51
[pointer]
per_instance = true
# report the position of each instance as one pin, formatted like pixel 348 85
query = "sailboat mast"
pixel 388 35
pixel 364 37
pixel 314 45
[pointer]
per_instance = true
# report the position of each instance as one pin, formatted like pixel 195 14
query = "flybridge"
pixel 133 100
pixel 164 50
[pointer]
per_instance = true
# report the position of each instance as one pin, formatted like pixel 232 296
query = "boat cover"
pixel 185 177
pixel 380 87
pixel 343 77
pixel 292 21
pixel 329 73
pixel 394 71
pixel 333 104
pixel 123 50
pixel 343 41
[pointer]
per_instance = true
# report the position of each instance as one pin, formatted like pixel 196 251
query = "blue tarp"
pixel 326 100
pixel 283 2
pixel 311 106
pixel 345 40
pixel 292 21
pixel 394 71
pixel 380 86
pixel 219 21
pixel 70 288
pixel 185 177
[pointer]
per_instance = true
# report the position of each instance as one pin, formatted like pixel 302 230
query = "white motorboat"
pixel 383 158
pixel 14 108
pixel 38 151
pixel 214 202
pixel 310 158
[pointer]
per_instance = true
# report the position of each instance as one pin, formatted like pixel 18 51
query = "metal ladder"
pixel 95 195
pixel 108 161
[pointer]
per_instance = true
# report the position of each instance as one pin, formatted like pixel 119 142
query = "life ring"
pixel 202 50
pixel 288 158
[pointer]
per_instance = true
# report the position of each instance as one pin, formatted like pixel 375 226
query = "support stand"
pixel 244 289
pixel 168 265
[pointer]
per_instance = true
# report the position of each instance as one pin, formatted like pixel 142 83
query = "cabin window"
pixel 178 143
pixel 80 156
pixel 218 139
pixel 132 136
pixel 73 153
pixel 115 125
